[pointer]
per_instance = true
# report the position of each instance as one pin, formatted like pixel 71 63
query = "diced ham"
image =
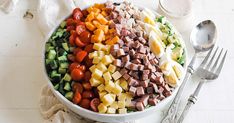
pixel 126 76
pixel 140 91
pixel 132 90
pixel 117 62
pixel 140 106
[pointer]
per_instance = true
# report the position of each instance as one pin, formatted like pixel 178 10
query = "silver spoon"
pixel 203 39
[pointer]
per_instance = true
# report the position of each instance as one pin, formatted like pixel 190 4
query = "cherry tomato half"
pixel 81 55
pixel 77 87
pixel 82 68
pixel 87 94
pixel 76 98
pixel 79 43
pixel 87 76
pixel 87 86
pixel 85 103
pixel 71 57
pixel 94 104
pixel 72 40
pixel 80 29
pixel 73 66
pixel 89 48
pixel 77 74
pixel 85 36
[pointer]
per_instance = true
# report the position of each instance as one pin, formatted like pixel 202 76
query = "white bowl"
pixel 114 118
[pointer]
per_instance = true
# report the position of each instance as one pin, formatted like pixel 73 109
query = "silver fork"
pixel 206 71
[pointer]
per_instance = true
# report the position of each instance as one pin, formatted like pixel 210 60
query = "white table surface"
pixel 21 68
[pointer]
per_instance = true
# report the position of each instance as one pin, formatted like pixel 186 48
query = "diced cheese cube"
pixel 121 104
pixel 96 23
pixel 92 68
pixel 101 87
pixel 113 96
pixel 128 102
pixel 98 46
pixel 101 54
pixel 95 82
pixel 112 58
pixel 116 75
pixel 101 94
pixel 97 74
pixel 129 95
pixel 106 60
pixel 90 26
pixel 107 49
pixel 93 54
pixel 107 76
pixel 111 110
pixel 111 68
pixel 117 89
pixel 102 108
pixel 101 67
pixel 109 86
pixel 101 19
pixel 124 84
pixel 114 105
pixel 96 60
pixel 122 97
pixel 122 111
pixel 117 82
pixel 108 99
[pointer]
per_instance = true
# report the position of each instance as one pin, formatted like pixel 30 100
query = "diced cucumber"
pixel 62 52
pixel 62 70
pixel 47 46
pixel 62 59
pixel 53 65
pixel 51 54
pixel 65 46
pixel 67 86
pixel 47 61
pixel 67 77
pixel 64 65
pixel 56 87
pixel 63 24
pixel 181 59
pixel 55 76
pixel 69 95
pixel 61 90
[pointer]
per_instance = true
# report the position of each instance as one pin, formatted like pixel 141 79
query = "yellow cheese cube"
pixel 92 68
pixel 101 67
pixel 111 68
pixel 109 86
pixel 90 17
pixel 90 26
pixel 108 99
pixel 101 87
pixel 128 95
pixel 101 54
pixel 107 49
pixel 97 74
pixel 121 104
pixel 117 89
pixel 96 23
pixel 111 110
pixel 101 19
pixel 101 94
pixel 107 76
pixel 112 57
pixel 98 46
pixel 106 60
pixel 96 60
pixel 113 96
pixel 93 54
pixel 122 97
pixel 116 75
pixel 101 80
pixel 102 108
pixel 122 111
pixel 117 82
pixel 114 105
pixel 95 82
pixel 124 84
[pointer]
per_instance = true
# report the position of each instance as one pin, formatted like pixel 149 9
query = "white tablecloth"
pixel 22 77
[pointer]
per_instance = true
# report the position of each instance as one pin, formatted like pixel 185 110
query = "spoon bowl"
pixel 203 36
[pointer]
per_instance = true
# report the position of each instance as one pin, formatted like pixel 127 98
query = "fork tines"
pixel 209 63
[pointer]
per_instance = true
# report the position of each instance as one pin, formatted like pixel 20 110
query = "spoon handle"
pixel 191 101
pixel 172 111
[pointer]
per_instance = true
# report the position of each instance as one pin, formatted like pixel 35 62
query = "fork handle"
pixel 191 101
